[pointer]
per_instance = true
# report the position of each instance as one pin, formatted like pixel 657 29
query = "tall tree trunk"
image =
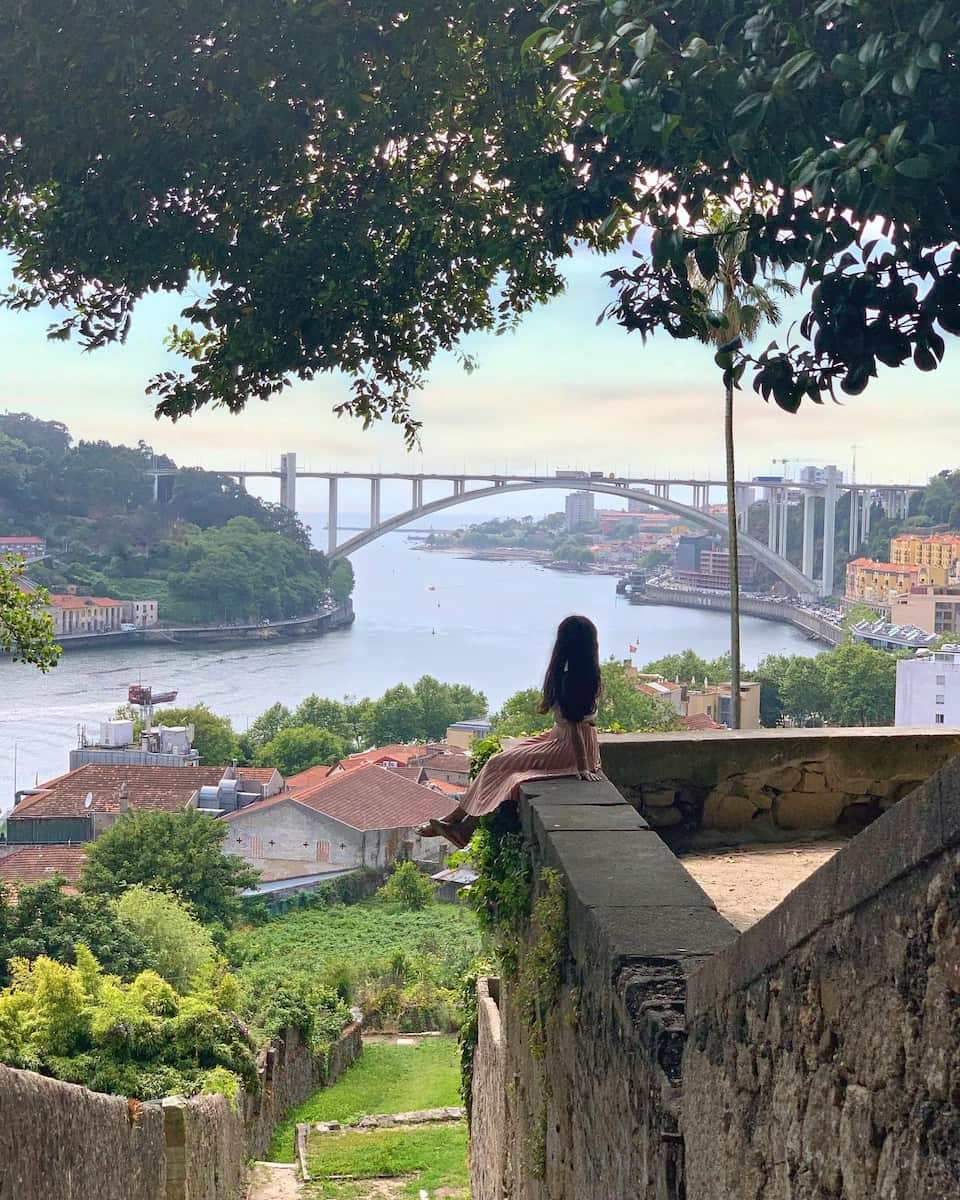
pixel 734 562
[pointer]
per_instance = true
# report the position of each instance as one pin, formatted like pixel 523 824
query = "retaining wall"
pixel 823 1055
pixel 597 1112
pixel 63 1142
pixel 814 1057
pixel 769 783
pixel 58 1141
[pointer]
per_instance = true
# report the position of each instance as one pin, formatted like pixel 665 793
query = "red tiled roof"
pixel 21 540
pixel 700 721
pixel 67 600
pixel 443 761
pixel 367 798
pixel 311 777
pixel 165 789
pixel 448 789
pixel 870 564
pixel 31 864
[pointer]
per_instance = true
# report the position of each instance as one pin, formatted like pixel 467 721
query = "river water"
pixel 486 624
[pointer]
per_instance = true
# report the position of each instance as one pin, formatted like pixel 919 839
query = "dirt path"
pixel 746 882
pixel 273 1181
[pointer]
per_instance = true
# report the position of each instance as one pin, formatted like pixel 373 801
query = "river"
pixel 487 624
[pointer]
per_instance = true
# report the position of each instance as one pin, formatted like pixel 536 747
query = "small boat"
pixel 431 587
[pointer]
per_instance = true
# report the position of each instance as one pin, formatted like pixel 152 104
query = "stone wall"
pixel 823 1057
pixel 61 1142
pixel 770 783
pixel 205 1148
pixel 289 1074
pixel 595 1110
pixel 488 1096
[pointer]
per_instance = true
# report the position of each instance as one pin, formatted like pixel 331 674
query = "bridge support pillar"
pixel 809 524
pixel 416 493
pixel 374 503
pixel 783 524
pixel 772 519
pixel 288 481
pixel 866 506
pixel 829 536
pixel 458 486
pixel 242 483
pixel 854 540
pixel 332 518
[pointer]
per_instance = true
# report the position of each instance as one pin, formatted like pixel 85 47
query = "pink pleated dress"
pixel 552 754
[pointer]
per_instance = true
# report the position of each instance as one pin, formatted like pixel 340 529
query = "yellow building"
pixel 713 701
pixel 871 581
pixel 939 551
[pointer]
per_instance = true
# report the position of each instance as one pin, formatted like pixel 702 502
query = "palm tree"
pixel 733 311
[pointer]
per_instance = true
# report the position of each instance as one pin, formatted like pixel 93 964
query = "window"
pixel 938 719
pixel 941 680
pixel 323 852
pixel 939 699
pixel 256 847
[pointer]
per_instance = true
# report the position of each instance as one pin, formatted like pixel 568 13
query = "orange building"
pixel 871 581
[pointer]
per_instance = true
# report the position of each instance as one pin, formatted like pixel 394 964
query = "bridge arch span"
pixel 784 570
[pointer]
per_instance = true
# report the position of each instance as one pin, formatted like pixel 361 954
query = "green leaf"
pixel 894 140
pixel 532 42
pixel 706 257
pixel 643 44
pixel 930 22
pixel 919 167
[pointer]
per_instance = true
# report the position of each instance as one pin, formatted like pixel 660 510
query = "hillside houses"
pixel 363 812
pixel 79 806
pixel 363 817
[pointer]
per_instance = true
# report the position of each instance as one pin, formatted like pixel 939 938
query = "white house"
pixel 928 689
pixel 366 817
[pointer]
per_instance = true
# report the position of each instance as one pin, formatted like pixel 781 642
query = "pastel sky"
pixel 560 392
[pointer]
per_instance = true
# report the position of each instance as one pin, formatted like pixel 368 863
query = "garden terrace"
pixel 650 1050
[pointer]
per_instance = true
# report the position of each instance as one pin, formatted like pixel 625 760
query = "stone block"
pixel 662 798
pixel 622 870
pixel 627 934
pixel 812 781
pixel 664 818
pixel 553 818
pixel 893 844
pixel 783 779
pixel 723 811
pixel 808 810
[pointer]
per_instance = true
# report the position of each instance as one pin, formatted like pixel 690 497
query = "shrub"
pixel 177 943
pixel 408 887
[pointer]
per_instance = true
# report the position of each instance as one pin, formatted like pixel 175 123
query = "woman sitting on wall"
pixel 571 691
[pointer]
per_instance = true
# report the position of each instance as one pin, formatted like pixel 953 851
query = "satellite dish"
pixel 89 800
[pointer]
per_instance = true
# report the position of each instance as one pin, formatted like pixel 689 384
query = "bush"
pixel 141 1039
pixel 408 887
pixel 177 943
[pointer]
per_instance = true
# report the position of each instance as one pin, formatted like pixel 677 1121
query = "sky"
pixel 559 392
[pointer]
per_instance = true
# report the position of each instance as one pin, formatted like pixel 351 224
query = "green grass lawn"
pixel 435 1157
pixel 386 1078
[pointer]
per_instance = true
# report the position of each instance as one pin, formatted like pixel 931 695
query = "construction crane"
pixel 143 697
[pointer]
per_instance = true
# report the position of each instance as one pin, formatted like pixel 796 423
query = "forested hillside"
pixel 210 552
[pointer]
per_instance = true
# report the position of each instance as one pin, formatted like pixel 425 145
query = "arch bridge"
pixel 780 495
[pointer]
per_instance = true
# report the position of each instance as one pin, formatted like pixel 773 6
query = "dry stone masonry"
pixel 769 783
pixel 814 1057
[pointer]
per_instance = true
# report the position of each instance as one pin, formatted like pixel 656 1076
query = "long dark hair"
pixel 572 681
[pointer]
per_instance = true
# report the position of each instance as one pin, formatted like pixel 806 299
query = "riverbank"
pixel 314 624
pixel 766 610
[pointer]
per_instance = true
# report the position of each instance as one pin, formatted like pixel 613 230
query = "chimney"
pixel 122 800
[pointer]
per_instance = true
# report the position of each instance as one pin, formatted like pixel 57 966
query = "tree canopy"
pixel 348 183
pixel 297 748
pixel 26 631
pixel 177 853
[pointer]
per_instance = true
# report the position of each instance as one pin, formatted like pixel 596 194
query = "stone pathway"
pixel 273 1181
